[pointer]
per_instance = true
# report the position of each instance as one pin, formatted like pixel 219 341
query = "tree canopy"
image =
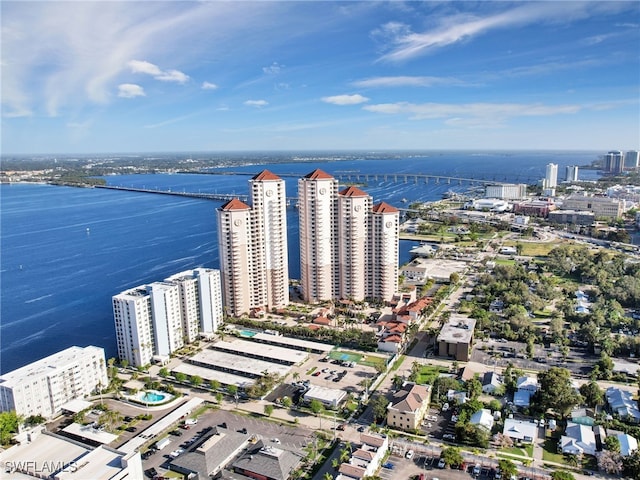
pixel 556 392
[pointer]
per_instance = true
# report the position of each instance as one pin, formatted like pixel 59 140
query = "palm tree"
pixel 296 376
pixel 327 476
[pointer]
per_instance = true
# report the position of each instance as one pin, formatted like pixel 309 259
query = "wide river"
pixel 66 251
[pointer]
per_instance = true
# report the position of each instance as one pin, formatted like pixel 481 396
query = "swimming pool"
pixel 248 333
pixel 152 397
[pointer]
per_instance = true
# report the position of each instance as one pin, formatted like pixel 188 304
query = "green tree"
pixel 214 384
pixel 268 409
pixel 451 456
pixel 507 468
pixel 232 389
pixel 631 464
pixel 592 394
pixel 397 381
pixel 562 475
pixel 556 392
pixel 196 380
pixel 287 402
pixel 612 443
pixel 163 372
pixel 474 388
pixel 9 424
pixel 180 377
pixel 317 408
pixel 379 405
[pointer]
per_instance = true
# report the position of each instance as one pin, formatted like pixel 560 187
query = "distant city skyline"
pixel 96 77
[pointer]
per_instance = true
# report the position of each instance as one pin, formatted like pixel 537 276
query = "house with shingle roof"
pixel 366 459
pixel 408 406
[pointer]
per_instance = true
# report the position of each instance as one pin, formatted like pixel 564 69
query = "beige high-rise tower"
pixel 317 202
pixel 253 247
pixel 348 247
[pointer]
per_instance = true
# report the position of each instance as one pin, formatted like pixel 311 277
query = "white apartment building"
pixel 45 386
pixel 506 191
pixel 253 247
pixel 614 161
pixel 153 321
pixel 201 301
pixel 348 246
pixel 571 173
pixel 551 176
pixel 317 204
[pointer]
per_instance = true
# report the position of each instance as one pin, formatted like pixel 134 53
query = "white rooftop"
pixel 520 429
pixel 264 350
pixel 304 344
pixel 238 363
pixel 47 365
pixel 90 433
pixel 207 374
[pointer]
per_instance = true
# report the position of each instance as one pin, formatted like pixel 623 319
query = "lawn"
pixel 429 373
pixel 527 451
pixel 372 361
pixel 550 451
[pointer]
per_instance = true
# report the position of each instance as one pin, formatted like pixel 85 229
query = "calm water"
pixel 66 251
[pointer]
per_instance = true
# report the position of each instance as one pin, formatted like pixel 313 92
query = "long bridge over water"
pixel 395 177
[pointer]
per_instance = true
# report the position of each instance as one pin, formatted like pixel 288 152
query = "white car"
pixel 177 453
pixel 191 421
pixel 441 463
pixel 409 454
pixel 445 407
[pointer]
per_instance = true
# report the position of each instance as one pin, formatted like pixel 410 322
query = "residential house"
pixel 622 403
pixel 491 381
pixel 628 444
pixel 520 430
pixel 483 417
pixel 578 440
pixel 526 386
pixel 266 462
pixel 366 459
pixel 408 406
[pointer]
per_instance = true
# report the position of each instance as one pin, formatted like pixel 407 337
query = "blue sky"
pixel 209 76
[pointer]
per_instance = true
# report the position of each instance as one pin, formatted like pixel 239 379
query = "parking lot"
pixel 290 438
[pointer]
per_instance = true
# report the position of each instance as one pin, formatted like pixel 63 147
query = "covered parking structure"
pixel 237 364
pixel 266 352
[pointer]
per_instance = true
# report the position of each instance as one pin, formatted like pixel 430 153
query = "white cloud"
pixel 272 69
pixel 142 66
pixel 345 99
pixel 209 86
pixel 406 44
pixel 256 103
pixel 130 90
pixel 408 81
pixel 456 112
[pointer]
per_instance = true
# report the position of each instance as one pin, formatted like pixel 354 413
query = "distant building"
pixel 551 176
pixel 536 208
pixel 488 204
pixel 408 406
pixel 602 207
pixel 632 160
pixel 572 217
pixel 614 162
pixel 628 444
pixel 571 173
pixel 153 321
pixel 45 386
pixel 456 337
pixel 506 191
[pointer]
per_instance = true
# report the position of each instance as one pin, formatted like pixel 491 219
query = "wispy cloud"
pixel 272 69
pixel 404 44
pixel 142 66
pixel 209 86
pixel 345 99
pixel 130 90
pixel 256 103
pixel 170 121
pixel 471 110
pixel 408 81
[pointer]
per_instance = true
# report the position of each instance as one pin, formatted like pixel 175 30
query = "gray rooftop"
pixel 268 461
pixel 458 329
pixel 237 363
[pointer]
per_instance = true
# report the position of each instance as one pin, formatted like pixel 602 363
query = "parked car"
pixel 388 465
pixel 131 429
pixel 441 463
pixel 409 454
pixel 152 472
pixel 341 427
pixel 476 470
pixel 361 428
